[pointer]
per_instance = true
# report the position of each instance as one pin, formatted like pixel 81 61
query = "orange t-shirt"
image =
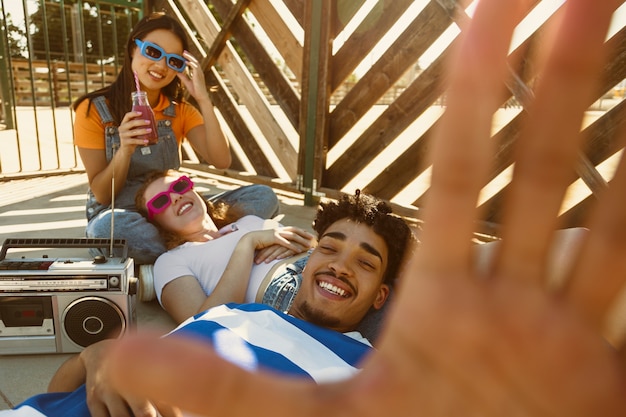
pixel 89 129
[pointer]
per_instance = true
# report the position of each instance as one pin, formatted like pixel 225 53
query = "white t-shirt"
pixel 207 260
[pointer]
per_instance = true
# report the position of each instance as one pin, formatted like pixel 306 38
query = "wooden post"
pixel 315 97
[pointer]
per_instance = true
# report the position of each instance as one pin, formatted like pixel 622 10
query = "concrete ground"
pixel 53 207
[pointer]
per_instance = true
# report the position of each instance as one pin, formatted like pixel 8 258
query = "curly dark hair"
pixel 369 210
pixel 221 213
pixel 118 93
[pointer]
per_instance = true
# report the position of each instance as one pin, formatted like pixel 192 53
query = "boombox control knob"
pixel 99 259
pixel 133 284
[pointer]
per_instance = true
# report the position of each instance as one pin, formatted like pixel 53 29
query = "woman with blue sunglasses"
pixel 109 136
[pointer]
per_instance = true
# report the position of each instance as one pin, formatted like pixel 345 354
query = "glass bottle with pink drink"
pixel 141 105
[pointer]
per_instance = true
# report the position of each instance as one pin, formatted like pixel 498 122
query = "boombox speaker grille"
pixel 88 320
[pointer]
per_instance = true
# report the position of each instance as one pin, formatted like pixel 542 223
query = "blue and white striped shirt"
pixel 253 336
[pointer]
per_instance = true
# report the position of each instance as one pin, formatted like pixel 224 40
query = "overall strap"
pixel 103 109
pixel 111 135
pixel 170 110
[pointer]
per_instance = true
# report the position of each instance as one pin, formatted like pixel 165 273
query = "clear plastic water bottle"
pixel 141 105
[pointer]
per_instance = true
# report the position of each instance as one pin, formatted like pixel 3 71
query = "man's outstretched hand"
pixel 459 342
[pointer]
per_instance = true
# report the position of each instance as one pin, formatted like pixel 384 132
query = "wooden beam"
pixel 220 42
pixel 397 59
pixel 238 126
pixel 281 88
pixel 280 35
pixel 413 102
pixel 315 96
pixel 244 86
pixel 382 17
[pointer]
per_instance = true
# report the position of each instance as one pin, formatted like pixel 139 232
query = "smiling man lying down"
pixel 361 247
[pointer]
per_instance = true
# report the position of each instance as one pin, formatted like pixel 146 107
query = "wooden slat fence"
pixel 60 81
pixel 326 96
pixel 331 126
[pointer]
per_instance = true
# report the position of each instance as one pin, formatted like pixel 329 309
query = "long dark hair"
pixel 118 93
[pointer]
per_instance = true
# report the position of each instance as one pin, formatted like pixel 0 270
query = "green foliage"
pixel 96 31
pixel 16 38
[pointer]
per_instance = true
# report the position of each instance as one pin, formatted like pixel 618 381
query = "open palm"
pixel 460 342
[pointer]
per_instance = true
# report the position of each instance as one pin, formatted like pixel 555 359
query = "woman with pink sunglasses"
pixel 111 138
pixel 217 256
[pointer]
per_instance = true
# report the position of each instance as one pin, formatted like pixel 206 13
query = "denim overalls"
pixel 158 157
pixel 143 240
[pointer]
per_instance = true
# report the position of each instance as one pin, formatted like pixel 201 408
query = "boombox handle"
pixel 63 243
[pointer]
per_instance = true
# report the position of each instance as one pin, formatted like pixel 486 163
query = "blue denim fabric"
pixel 142 238
pixel 160 156
pixel 283 287
pixel 256 199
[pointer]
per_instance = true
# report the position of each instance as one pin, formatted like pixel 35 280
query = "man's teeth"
pixel 184 208
pixel 331 288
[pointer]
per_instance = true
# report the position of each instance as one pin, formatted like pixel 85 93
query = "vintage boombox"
pixel 62 305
